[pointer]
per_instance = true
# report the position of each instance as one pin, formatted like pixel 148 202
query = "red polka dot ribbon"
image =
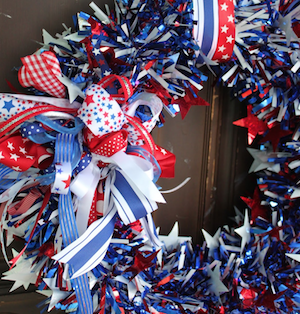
pixel 108 144
pixel 41 72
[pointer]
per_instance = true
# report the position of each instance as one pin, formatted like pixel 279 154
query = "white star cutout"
pixel 1 156
pixel 17 168
pixel 14 156
pixel 212 242
pixel 90 137
pixel 163 151
pixel 225 57
pixel 106 73
pixel 10 145
pixel 244 231
pixel 229 39
pixel 230 18
pixel 216 285
pixel 224 29
pixel 221 48
pixel 224 7
pixel 22 150
pixel 96 51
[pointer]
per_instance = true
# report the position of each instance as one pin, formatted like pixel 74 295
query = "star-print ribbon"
pixel 41 72
pixel 20 153
pixel 100 112
pixel 16 109
pixel 215 29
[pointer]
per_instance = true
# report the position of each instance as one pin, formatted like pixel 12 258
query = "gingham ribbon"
pixel 215 28
pixel 41 72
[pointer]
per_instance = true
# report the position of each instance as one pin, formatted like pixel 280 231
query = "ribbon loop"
pixel 41 71
pixel 100 112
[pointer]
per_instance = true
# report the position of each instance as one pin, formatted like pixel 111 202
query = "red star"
pixel 141 263
pixel 274 135
pixel 267 299
pixel 105 114
pixel 256 208
pixel 185 103
pixel 101 61
pixel 89 121
pixel 89 99
pixel 119 114
pixel 103 98
pixel 67 182
pixel 110 98
pixel 106 122
pixel 254 125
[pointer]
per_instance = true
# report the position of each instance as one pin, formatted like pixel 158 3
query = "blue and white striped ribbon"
pixel 63 154
pixel 122 197
pixel 207 30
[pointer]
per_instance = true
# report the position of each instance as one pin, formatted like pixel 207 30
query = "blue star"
pixel 23 108
pixel 8 105
pixel 109 106
pixel 101 129
pixel 98 120
pixel 59 170
pixel 112 116
pixel 95 113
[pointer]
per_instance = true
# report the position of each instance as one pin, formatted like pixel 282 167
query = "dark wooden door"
pixel 209 149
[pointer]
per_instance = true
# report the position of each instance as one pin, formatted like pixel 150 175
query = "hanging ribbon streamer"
pixel 63 156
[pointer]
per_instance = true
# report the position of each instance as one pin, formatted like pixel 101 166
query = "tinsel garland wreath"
pixel 79 165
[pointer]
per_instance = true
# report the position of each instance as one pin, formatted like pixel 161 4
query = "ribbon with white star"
pixel 20 154
pixel 215 29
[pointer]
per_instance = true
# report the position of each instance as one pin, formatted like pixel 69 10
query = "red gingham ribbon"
pixel 41 71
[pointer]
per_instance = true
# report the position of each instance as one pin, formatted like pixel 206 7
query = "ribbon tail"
pixel 70 234
pixel 131 203
pixel 150 230
pixel 89 250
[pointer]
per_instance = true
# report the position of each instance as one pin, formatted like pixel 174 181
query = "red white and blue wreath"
pixel 79 166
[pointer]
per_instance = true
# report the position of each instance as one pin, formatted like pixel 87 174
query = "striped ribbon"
pixel 63 154
pixel 215 29
pixel 131 196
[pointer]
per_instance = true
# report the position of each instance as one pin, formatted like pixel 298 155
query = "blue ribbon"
pixel 63 153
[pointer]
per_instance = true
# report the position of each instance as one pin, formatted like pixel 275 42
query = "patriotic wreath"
pixel 79 166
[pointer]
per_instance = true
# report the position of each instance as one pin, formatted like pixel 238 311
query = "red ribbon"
pixel 165 159
pixel 124 93
pixel 20 153
pixel 27 114
pixel 41 71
